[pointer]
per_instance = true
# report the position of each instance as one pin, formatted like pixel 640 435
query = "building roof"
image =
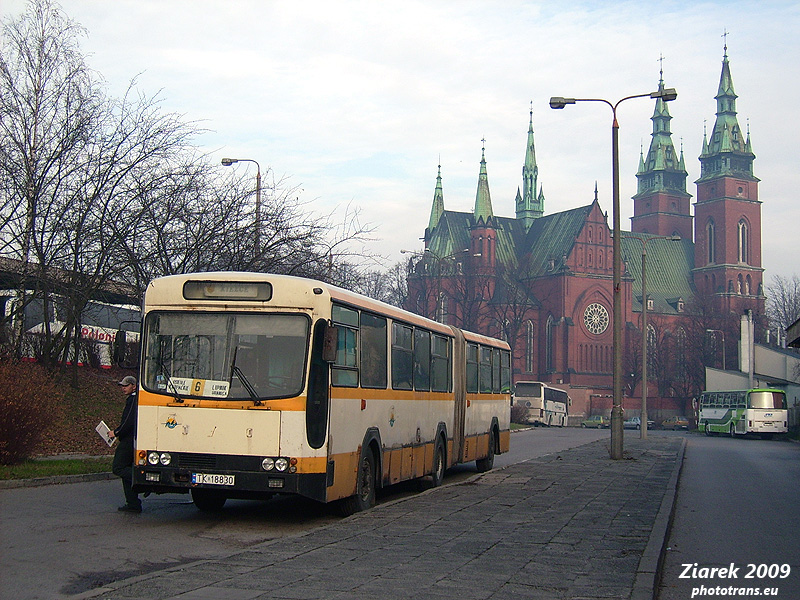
pixel 669 267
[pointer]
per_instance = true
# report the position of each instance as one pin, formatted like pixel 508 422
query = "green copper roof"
pixel 483 200
pixel 438 202
pixel 663 169
pixel 529 205
pixel 727 137
pixel 669 270
pixel 551 238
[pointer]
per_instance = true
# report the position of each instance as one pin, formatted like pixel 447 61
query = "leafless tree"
pixel 783 301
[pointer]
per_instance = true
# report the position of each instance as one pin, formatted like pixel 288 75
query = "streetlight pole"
pixel 643 241
pixel 257 238
pixel 616 410
pixel 722 333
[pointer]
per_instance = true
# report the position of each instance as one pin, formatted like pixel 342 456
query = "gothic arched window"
pixel 710 241
pixel 549 343
pixel 529 340
pixel 744 241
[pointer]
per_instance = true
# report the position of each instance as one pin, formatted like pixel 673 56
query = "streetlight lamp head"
pixel 667 94
pixel 229 161
pixel 559 102
pixel 674 238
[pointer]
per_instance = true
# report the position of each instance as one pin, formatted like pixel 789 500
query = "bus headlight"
pixel 268 464
pixel 281 464
pixel 154 458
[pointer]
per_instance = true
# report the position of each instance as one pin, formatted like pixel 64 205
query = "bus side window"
pixel 402 364
pixel 422 360
pixel 344 371
pixel 505 372
pixel 496 370
pixel 373 351
pixel 472 368
pixel 485 381
pixel 440 364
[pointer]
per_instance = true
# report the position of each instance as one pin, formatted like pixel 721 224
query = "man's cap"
pixel 127 380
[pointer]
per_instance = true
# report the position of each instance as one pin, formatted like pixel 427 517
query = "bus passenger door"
pixel 318 398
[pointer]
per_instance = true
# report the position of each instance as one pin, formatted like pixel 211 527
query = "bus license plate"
pixel 213 479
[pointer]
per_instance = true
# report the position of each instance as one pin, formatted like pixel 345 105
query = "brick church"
pixel 544 281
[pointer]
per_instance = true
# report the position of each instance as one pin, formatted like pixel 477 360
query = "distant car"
pixel 596 422
pixel 676 423
pixel 636 423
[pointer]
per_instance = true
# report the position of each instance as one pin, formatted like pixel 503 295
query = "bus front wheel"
pixel 208 500
pixel 364 497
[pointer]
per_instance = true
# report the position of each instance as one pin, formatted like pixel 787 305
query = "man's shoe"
pixel 130 509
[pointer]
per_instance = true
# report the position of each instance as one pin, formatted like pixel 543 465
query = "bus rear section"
pixel 258 384
pixel 546 406
pixel 756 411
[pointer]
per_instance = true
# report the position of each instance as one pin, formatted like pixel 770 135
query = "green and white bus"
pixel 760 411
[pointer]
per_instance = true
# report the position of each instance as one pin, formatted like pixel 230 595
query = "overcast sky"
pixel 357 102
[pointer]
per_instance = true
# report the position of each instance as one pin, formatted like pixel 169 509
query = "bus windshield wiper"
pixel 165 373
pixel 245 382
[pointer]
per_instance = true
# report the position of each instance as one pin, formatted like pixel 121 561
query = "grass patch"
pixel 31 469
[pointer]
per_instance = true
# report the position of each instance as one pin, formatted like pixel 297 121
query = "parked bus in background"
pixel 546 405
pixel 109 333
pixel 256 384
pixel 759 411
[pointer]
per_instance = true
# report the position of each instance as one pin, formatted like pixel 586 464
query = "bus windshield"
pixel 767 400
pixel 225 356
pixel 528 390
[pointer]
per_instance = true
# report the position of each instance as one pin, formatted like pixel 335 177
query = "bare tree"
pixel 783 301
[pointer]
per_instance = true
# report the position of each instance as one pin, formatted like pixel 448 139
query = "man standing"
pixel 123 457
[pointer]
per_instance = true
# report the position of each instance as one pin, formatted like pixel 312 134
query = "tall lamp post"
pixel 616 411
pixel 643 241
pixel 257 238
pixel 722 333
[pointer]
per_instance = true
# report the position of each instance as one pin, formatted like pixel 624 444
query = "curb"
pixel 9 484
pixel 648 574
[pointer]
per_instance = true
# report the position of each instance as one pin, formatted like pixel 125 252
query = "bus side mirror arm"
pixel 330 341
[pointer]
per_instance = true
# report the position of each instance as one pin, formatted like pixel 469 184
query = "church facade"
pixel 544 281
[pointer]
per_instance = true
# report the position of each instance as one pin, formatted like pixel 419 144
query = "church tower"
pixel 530 206
pixel 437 208
pixel 661 205
pixel 483 235
pixel 728 211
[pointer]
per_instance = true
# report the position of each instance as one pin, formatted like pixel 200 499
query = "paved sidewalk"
pixel 572 525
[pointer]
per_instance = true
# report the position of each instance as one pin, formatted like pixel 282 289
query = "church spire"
pixel 727 150
pixel 483 200
pixel 437 209
pixel 529 205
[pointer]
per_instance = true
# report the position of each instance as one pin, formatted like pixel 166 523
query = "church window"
pixel 651 348
pixel 441 309
pixel 529 347
pixel 743 242
pixel 710 241
pixel 549 344
pixel 595 318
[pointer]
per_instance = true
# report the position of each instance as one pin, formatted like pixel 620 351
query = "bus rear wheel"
pixel 486 463
pixel 707 429
pixel 439 463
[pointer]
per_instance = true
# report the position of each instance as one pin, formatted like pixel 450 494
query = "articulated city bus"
pixel 546 405
pixel 256 384
pixel 758 411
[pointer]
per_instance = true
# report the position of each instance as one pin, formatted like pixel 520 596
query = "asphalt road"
pixel 737 506
pixel 75 535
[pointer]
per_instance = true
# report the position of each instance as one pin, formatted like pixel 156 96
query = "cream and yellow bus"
pixel 256 384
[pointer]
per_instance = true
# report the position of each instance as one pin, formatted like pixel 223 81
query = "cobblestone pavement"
pixel 570 525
